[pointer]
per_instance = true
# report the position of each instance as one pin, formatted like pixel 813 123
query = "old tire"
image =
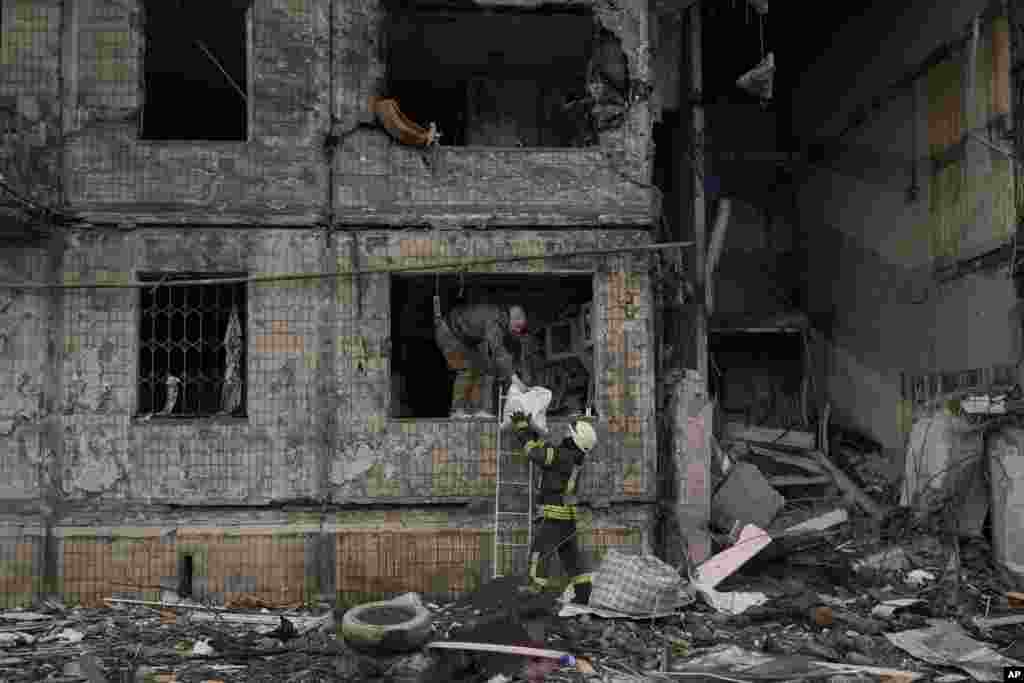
pixel 399 625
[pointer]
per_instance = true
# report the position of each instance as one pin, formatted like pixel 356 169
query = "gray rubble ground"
pixel 822 596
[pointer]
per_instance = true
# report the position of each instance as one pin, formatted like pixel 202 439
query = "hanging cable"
pixel 437 296
pixel 260 279
pixel 760 25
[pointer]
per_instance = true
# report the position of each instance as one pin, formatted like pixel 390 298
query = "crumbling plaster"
pixel 30 103
pixel 316 428
pixel 280 450
pixel 871 248
pixel 277 176
pixel 280 175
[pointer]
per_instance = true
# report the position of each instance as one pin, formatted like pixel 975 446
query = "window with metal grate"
pixel 192 346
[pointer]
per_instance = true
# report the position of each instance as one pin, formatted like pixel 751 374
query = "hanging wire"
pixel 262 279
pixel 760 25
pixel 437 296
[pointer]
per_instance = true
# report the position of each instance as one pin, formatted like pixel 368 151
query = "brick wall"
pixel 21 561
pixel 353 557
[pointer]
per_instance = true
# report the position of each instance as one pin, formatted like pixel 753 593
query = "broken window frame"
pixel 250 79
pixel 156 384
pixel 451 285
pixel 591 134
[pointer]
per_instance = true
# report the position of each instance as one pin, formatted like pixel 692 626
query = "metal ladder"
pixel 503 519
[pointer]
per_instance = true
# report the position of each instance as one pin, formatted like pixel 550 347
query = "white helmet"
pixel 583 435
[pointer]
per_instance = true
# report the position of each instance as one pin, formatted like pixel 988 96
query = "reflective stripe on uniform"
pixel 530 445
pixel 534 567
pixel 550 458
pixel 559 511
pixel 582 578
pixel 570 488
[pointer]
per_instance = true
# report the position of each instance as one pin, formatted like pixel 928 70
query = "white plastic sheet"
pixel 534 403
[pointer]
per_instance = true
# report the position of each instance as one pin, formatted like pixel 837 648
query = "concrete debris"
pixel 919 577
pixel 819 523
pixel 746 497
pixel 830 606
pixel 716 569
pixel 734 602
pixel 66 635
pixel 15 639
pixel 947 644
pixel 888 609
pixel 888 560
pixel 1005 457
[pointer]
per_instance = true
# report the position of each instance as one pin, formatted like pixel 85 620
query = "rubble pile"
pixel 818 575
pixel 835 600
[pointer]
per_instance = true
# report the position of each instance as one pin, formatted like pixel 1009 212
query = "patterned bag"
pixel 636 584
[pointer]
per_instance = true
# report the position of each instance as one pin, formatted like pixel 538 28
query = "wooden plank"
pixel 788 459
pixel 995 622
pixel 786 480
pixel 863 500
pixel 500 649
pixel 767 435
pixel 715 250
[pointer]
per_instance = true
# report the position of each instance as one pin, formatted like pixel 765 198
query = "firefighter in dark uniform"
pixel 560 464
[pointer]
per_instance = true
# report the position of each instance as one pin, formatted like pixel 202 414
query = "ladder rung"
pixel 513 545
pixel 515 483
pixel 503 512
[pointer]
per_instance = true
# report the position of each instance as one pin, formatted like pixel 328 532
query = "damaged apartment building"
pixel 248 209
pixel 225 228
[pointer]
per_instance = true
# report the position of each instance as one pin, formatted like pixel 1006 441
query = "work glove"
pixel 520 421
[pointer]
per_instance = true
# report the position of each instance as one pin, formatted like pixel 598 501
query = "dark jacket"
pixel 474 324
pixel 560 466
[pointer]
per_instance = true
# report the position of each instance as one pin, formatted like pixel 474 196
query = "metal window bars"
pixel 191 348
pixel 504 520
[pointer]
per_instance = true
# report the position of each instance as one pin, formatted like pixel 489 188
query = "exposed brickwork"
pixel 21 563
pixel 374 553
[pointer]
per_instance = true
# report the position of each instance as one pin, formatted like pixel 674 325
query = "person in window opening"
pixel 555 530
pixel 472 339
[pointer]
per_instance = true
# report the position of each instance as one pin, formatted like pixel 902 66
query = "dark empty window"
pixel 196 84
pixel 498 78
pixel 191 347
pixel 557 353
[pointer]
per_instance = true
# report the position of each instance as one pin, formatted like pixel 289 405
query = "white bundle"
pixel 533 403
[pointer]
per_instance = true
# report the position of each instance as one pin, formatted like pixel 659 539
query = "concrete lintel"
pixel 19 530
